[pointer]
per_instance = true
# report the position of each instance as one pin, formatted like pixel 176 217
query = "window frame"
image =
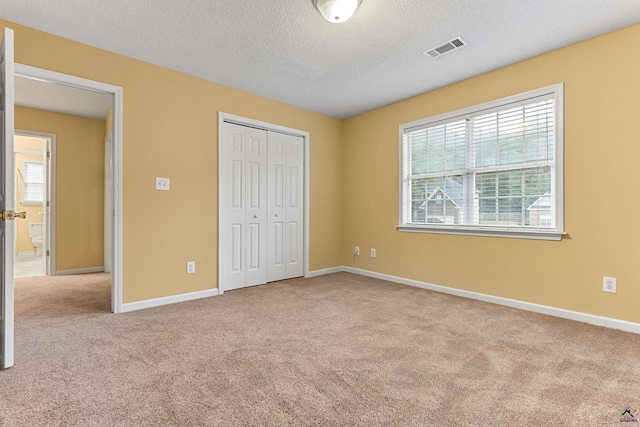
pixel 24 200
pixel 556 92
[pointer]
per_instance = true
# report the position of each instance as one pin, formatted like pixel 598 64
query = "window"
pixel 493 169
pixel 546 221
pixel 33 183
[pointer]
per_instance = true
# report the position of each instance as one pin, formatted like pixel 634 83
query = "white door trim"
pixel 108 202
pixel 244 121
pixel 117 92
pixel 50 261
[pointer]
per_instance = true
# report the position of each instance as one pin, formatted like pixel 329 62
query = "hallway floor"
pixel 27 264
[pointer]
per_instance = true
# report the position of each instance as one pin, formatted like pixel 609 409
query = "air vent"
pixel 447 47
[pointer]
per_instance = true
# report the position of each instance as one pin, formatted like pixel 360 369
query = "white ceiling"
pixel 284 49
pixel 61 99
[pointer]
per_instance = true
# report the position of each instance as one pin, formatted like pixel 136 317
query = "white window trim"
pixel 557 91
pixel 23 172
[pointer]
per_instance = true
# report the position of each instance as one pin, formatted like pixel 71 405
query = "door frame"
pixel 50 261
pixel 244 121
pixel 117 92
pixel 108 203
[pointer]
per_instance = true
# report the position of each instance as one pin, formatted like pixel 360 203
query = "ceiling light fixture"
pixel 336 11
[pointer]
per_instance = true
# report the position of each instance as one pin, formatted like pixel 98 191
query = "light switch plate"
pixel 162 184
pixel 191 267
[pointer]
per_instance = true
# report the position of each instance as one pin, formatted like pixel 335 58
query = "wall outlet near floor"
pixel 373 253
pixel 162 184
pixel 357 251
pixel 609 284
pixel 191 267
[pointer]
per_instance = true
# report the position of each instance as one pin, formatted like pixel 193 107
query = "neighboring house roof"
pixel 435 192
pixel 452 189
pixel 542 204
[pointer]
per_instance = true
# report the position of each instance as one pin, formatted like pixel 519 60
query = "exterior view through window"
pixel 493 168
pixel 33 182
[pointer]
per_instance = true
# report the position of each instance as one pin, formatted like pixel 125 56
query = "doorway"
pixel 110 234
pixel 33 154
pixel 9 71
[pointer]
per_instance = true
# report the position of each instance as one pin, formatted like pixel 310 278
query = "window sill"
pixel 31 203
pixel 513 233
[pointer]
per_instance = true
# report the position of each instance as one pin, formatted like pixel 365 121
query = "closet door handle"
pixel 276 215
pixel 255 216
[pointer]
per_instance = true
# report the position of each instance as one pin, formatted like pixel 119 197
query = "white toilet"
pixel 37 239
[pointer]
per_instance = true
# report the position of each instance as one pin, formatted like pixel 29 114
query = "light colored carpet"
pixel 333 350
pixel 55 297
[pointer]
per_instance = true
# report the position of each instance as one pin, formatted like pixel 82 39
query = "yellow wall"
pixel 602 153
pixel 79 184
pixel 108 123
pixel 170 130
pixel 34 212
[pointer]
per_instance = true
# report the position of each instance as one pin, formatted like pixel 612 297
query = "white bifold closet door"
pixel 284 207
pixel 244 199
pixel 262 206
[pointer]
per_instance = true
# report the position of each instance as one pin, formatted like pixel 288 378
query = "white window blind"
pixel 33 177
pixel 493 168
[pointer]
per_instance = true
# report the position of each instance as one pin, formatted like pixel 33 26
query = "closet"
pixel 261 206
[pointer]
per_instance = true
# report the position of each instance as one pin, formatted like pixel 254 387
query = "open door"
pixel 6 200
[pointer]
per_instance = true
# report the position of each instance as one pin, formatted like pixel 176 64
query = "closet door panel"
pixel 232 230
pixel 276 206
pixel 256 202
pixel 294 201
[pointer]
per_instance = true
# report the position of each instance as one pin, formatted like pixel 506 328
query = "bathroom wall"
pixel 23 241
pixel 79 186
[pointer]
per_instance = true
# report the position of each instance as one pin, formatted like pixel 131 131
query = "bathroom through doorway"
pixel 32 192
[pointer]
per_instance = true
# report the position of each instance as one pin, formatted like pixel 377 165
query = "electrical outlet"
pixel 357 251
pixel 191 267
pixel 373 253
pixel 609 284
pixel 162 184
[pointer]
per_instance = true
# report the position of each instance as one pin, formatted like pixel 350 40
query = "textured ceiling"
pixel 285 50
pixel 61 99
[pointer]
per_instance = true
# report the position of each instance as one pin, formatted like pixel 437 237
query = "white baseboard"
pixel 332 270
pixel 79 271
pixel 592 319
pixel 156 302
